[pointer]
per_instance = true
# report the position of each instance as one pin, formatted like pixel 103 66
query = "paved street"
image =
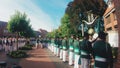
pixel 38 58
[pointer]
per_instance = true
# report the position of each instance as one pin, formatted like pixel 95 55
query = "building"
pixel 3 26
pixel 111 24
pixel 3 30
pixel 43 32
pixel 37 33
pixel 117 7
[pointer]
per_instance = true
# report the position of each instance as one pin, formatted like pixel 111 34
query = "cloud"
pixel 39 19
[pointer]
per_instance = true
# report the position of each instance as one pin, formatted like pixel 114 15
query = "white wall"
pixel 113 38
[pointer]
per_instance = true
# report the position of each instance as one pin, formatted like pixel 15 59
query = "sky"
pixel 45 14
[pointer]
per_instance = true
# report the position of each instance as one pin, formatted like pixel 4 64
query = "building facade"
pixel 3 26
pixel 43 32
pixel 117 7
pixel 3 30
pixel 111 24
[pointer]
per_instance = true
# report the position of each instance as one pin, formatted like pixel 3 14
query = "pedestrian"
pixel 79 61
pixel 49 42
pixel 93 38
pixel 55 46
pixel 41 43
pixel 71 50
pixel 37 43
pixel 65 48
pixel 76 52
pixel 61 49
pixel 86 51
pixel 10 44
pixel 58 45
pixel 53 43
pixel 102 52
pixel 14 43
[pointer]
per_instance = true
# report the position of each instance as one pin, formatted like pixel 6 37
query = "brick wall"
pixel 117 6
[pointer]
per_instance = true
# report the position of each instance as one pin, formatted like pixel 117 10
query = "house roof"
pixel 109 9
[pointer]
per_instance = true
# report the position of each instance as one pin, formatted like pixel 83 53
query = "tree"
pixel 64 29
pixel 18 23
pixel 29 32
pixel 80 10
pixel 65 26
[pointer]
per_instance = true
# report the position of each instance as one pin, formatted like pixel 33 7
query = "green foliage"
pixel 26 47
pixel 65 26
pixel 19 23
pixel 76 12
pixel 98 7
pixel 18 54
pixel 28 33
pixel 63 30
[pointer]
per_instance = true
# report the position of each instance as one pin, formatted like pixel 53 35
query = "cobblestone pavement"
pixel 38 58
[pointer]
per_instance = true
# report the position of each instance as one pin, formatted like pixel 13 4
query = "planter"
pixel 18 54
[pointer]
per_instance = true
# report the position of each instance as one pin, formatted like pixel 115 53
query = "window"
pixel 114 15
pixel 116 26
pixel 110 28
pixel 108 20
pixel 109 4
pixel 5 31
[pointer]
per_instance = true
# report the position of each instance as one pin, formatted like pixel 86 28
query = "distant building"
pixel 3 30
pixel 110 23
pixel 43 32
pixel 37 33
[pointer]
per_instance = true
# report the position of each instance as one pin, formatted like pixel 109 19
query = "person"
pixel 61 48
pixel 10 44
pixel 93 38
pixel 65 48
pixel 76 52
pixel 6 45
pixel 37 43
pixel 102 52
pixel 86 51
pixel 71 49
pixel 58 47
pixel 79 61
pixel 49 42
pixel 52 44
pixel 55 44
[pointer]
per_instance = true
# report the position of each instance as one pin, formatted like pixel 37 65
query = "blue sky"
pixel 45 14
pixel 55 9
